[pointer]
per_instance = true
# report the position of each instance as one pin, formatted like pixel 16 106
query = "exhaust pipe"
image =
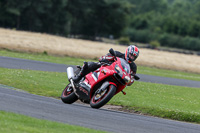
pixel 70 73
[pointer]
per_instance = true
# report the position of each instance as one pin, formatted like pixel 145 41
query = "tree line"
pixel 172 23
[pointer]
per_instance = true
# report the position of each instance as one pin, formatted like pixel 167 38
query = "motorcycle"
pixel 98 87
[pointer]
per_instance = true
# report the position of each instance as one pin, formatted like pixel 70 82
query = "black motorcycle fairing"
pixel 83 92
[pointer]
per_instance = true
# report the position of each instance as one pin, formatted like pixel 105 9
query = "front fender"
pixel 105 85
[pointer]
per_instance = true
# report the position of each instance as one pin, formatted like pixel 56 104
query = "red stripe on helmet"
pixel 136 49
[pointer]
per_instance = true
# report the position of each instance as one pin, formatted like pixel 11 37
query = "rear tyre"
pixel 101 98
pixel 68 96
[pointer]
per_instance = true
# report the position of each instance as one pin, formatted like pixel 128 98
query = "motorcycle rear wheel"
pixel 100 99
pixel 68 96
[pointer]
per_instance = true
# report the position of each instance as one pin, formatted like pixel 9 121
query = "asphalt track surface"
pixel 77 114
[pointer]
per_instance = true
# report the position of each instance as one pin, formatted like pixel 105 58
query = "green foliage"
pixel 165 39
pixel 189 43
pixel 124 41
pixel 87 18
pixel 154 44
pixel 98 18
pixel 170 40
pixel 45 53
pixel 174 23
pixel 141 35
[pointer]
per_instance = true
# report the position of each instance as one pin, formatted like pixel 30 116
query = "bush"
pixel 189 43
pixel 154 44
pixel 170 40
pixel 124 41
pixel 144 36
pixel 165 39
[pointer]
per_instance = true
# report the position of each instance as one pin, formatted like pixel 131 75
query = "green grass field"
pixel 15 123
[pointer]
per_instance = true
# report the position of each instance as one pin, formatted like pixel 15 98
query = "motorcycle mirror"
pixel 112 52
pixel 136 77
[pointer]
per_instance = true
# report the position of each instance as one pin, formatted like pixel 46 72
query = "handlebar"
pixel 105 64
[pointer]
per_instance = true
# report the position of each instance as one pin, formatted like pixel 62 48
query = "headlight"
pixel 127 79
pixel 118 70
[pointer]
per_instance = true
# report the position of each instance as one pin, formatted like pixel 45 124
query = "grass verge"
pixel 166 101
pixel 174 102
pixel 15 123
pixel 79 61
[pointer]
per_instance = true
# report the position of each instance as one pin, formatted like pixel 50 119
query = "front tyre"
pixel 68 96
pixel 100 98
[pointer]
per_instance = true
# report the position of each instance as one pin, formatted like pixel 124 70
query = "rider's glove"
pixel 107 58
pixel 132 79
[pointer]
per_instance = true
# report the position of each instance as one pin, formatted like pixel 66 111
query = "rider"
pixel 130 55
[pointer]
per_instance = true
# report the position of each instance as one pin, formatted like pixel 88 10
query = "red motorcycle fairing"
pixel 93 78
pixel 98 87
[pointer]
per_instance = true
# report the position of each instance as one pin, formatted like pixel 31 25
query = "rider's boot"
pixel 82 73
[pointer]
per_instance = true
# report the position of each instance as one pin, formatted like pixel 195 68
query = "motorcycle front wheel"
pixel 100 98
pixel 68 96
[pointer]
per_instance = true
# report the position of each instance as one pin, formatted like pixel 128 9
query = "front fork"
pixel 73 86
